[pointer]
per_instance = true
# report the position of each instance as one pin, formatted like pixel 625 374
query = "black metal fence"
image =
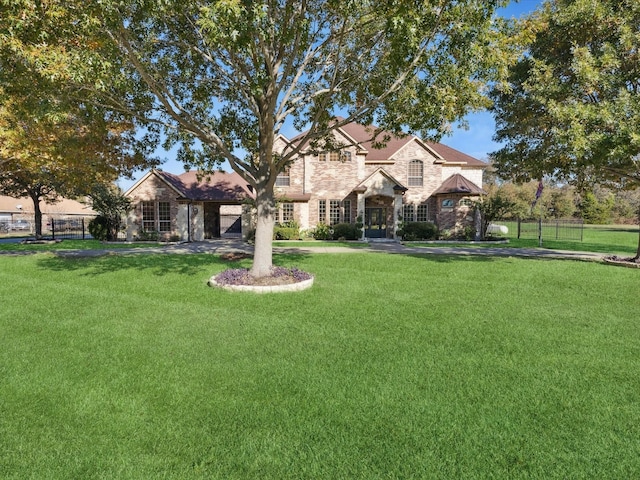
pixel 549 229
pixel 68 229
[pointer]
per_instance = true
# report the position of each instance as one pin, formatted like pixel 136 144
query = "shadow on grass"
pixel 156 264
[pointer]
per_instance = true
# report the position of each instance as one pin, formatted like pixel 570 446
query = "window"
pixel 164 217
pixel 286 213
pixel 447 203
pixel 148 217
pixel 408 213
pixel 335 156
pixel 465 202
pixel 415 173
pixel 422 213
pixel 334 212
pixel 322 211
pixel 346 206
pixel 284 179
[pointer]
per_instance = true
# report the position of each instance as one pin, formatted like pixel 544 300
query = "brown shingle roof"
pixel 458 184
pixel 451 155
pixel 217 186
pixel 363 135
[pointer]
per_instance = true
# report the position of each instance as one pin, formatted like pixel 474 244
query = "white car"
pixel 20 225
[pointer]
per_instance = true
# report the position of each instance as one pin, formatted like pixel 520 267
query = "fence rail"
pixel 550 229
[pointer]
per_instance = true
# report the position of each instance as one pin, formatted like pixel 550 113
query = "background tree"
pixel 222 79
pixel 112 207
pixel 494 206
pixel 52 142
pixel 572 107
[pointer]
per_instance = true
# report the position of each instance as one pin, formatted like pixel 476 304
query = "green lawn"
pixel 606 239
pixel 391 366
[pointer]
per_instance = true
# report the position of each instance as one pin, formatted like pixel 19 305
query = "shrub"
pixel 99 228
pixel 148 236
pixel 418 231
pixel 322 232
pixel 287 231
pixel 348 231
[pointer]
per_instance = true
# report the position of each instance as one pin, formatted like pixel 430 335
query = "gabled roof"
pixel 217 186
pixel 363 136
pixel 451 155
pixel 458 184
pixel 362 186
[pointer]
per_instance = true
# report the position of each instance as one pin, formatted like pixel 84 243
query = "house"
pixel 358 180
pixel 15 211
pixel 188 207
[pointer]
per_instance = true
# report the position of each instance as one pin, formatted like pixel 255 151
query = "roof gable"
pixel 369 137
pixel 217 186
pixel 379 181
pixel 458 184
pixel 197 186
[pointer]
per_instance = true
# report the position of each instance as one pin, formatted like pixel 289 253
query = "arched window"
pixel 415 173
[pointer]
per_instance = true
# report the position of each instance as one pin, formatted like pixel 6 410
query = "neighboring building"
pixel 407 179
pixel 17 211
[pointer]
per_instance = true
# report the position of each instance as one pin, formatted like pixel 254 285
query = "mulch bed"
pixel 623 261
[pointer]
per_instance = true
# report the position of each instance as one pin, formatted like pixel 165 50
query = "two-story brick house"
pixel 405 179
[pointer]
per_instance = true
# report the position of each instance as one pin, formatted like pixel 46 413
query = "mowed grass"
pixel 391 366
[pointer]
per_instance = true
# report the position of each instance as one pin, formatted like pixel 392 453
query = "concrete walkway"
pixel 226 246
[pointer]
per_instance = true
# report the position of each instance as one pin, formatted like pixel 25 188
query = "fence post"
pixel 82 227
pixel 540 232
pixel 53 228
pixel 519 226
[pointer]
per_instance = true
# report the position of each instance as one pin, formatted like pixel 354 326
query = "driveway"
pixel 231 245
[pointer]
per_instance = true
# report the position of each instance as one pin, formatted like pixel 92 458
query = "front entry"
pixel 375 223
pixel 211 220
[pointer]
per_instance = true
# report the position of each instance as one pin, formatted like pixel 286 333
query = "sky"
pixel 476 140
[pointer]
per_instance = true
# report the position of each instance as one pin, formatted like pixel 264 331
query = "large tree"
pixel 53 143
pixel 571 108
pixel 222 78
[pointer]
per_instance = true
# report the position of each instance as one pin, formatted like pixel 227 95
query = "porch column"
pixel 397 212
pixel 361 205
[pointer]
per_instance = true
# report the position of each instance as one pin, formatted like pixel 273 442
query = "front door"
pixel 375 223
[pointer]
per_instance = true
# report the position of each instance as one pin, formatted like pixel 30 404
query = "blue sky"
pixel 475 141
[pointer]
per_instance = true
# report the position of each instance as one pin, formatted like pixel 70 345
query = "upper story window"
pixel 336 156
pixel 415 173
pixel 447 203
pixel 466 202
pixel 284 178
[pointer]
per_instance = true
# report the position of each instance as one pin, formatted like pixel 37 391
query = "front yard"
pixel 391 366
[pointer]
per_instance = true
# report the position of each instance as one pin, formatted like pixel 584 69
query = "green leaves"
pixel 572 99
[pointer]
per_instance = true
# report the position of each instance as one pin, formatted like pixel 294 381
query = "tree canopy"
pixel 571 108
pixel 54 142
pixel 221 79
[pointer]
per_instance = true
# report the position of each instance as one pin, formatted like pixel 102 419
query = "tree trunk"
pixel 263 250
pixel 37 215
